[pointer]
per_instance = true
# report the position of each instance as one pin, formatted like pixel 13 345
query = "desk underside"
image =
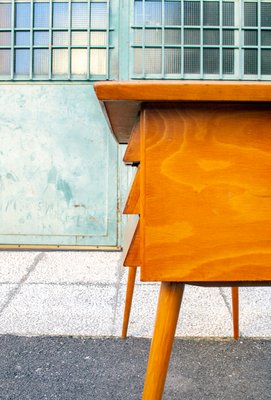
pixel 122 100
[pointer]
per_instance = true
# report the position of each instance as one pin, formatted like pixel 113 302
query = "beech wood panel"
pixel 122 116
pixel 206 192
pixel 184 90
pixel 170 298
pixel 132 205
pixel 132 153
pixel 123 99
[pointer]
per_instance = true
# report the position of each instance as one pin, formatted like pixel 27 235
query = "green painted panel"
pixel 58 167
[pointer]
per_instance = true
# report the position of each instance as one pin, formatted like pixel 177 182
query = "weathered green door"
pixel 58 167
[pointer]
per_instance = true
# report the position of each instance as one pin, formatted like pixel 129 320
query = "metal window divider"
pixel 88 41
pixel 143 38
pixel 131 51
pixel 107 39
pixel 201 40
pixel 163 40
pixel 259 44
pixel 50 33
pixel 12 51
pixel 182 39
pixel 31 58
pixel 220 39
pixel 70 39
pixel 240 38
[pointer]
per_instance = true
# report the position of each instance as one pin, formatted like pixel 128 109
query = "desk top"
pixel 122 100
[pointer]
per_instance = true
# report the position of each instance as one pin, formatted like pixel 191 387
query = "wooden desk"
pixel 204 150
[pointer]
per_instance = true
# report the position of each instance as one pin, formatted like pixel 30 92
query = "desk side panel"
pixel 206 192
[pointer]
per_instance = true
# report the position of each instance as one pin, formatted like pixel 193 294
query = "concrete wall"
pixel 82 293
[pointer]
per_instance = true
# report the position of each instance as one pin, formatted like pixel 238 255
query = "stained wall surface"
pixel 58 167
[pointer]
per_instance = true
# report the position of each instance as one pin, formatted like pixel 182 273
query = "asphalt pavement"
pixel 74 368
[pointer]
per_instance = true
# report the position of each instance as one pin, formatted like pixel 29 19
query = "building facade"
pixel 61 176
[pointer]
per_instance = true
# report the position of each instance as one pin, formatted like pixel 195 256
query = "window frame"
pixel 108 46
pixel 238 46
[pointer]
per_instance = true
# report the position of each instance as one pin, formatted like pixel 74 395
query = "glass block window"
pixel 201 39
pixel 54 40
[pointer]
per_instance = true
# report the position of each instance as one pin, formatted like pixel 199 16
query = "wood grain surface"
pixel 170 298
pixel 122 100
pixel 132 153
pixel 132 205
pixel 122 116
pixel 183 90
pixel 206 192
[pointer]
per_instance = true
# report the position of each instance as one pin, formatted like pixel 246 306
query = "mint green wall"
pixel 58 167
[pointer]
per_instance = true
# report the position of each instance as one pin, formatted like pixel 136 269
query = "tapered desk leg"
pixel 235 311
pixel 128 300
pixel 166 320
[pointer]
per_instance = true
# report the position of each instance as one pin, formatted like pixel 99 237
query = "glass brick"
pixel 22 38
pixel 41 38
pixel 153 61
pixel 250 14
pixel 192 13
pixel 266 38
pixel 60 61
pixel 210 13
pixel 61 38
pixel 191 61
pixel 211 61
pixel 79 61
pixel 60 15
pixel 80 15
pixel 79 38
pixel 22 15
pixel 266 14
pixel 228 37
pixel 153 13
pixel 173 63
pixel 5 60
pixel 5 38
pixel 41 15
pixel 41 62
pixel 98 62
pixel 250 62
pixel 228 13
pixel 22 62
pixel 153 36
pixel 211 36
pixel 266 62
pixel 173 36
pixel 228 61
pixel 138 61
pixel 98 38
pixel 191 36
pixel 5 15
pixel 173 10
pixel 250 38
pixel 98 16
